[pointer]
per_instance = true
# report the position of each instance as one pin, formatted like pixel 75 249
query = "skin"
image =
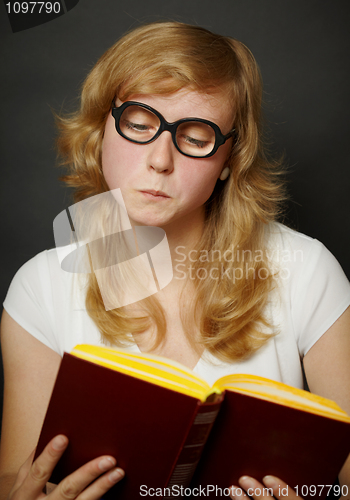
pixel 30 367
pixel 188 182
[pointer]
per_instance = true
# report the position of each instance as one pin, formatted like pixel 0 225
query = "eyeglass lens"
pixel 192 138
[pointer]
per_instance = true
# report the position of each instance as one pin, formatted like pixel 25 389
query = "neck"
pixel 183 238
pixel 185 233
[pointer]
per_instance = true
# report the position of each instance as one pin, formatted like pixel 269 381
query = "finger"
pixel 98 488
pixel 41 469
pixel 75 483
pixel 280 488
pixel 254 488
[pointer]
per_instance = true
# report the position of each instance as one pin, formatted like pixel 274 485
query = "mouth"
pixel 154 194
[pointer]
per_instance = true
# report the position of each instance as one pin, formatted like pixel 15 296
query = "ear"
pixel 224 174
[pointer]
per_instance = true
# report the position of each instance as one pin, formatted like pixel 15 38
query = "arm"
pixel 327 371
pixel 30 369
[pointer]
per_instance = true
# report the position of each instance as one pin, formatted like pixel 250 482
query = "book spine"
pixel 192 447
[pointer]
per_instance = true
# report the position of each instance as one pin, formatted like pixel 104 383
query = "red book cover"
pixel 255 437
pixel 158 435
pixel 155 434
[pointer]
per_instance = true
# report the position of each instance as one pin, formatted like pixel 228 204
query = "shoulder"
pixel 34 275
pixel 299 252
pixel 290 239
pixel 42 297
pixel 314 289
pixel 39 275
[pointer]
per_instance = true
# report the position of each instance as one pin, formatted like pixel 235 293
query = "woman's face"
pixel 160 186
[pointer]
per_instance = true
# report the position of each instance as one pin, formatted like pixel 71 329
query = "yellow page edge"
pixel 189 389
pixel 230 380
pixel 149 360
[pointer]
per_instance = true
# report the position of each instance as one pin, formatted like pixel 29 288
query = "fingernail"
pixel 270 481
pixel 247 482
pixel 59 442
pixel 115 475
pixel 106 463
pixel 236 492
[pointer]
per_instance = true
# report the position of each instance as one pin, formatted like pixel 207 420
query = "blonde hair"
pixel 161 58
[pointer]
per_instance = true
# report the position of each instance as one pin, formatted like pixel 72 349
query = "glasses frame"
pixel 220 138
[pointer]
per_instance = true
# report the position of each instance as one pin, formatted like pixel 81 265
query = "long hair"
pixel 162 58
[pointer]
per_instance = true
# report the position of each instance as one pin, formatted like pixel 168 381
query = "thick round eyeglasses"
pixel 193 137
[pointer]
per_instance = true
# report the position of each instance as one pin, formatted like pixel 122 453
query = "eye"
pixel 137 127
pixel 195 138
pixel 138 123
pixel 194 142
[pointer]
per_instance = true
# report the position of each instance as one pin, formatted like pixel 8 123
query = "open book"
pixel 169 429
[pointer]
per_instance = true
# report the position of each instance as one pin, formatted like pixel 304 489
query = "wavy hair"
pixel 162 58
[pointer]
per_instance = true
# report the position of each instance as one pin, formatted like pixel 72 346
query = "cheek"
pixel 118 156
pixel 207 172
pixel 200 179
pixel 199 182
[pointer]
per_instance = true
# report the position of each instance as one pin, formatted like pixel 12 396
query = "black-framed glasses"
pixel 193 137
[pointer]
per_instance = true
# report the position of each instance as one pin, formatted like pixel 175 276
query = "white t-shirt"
pixel 311 293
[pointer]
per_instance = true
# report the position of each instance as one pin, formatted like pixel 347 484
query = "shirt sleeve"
pixel 29 300
pixel 320 295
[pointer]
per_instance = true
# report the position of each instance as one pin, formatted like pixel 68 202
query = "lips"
pixel 155 193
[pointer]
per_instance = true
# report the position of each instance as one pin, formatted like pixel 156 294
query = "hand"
pixel 32 478
pixel 271 487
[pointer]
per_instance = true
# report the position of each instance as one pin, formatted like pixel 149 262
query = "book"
pixel 169 430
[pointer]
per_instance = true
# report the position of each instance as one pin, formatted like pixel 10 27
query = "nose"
pixel 161 152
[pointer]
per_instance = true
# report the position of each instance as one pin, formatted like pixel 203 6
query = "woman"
pixel 248 294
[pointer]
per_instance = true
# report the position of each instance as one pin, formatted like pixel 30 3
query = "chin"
pixel 155 222
pixel 148 220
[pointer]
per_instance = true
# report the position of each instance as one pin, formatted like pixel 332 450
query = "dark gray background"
pixel 302 47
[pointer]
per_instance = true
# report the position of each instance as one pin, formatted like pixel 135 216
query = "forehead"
pixel 190 104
